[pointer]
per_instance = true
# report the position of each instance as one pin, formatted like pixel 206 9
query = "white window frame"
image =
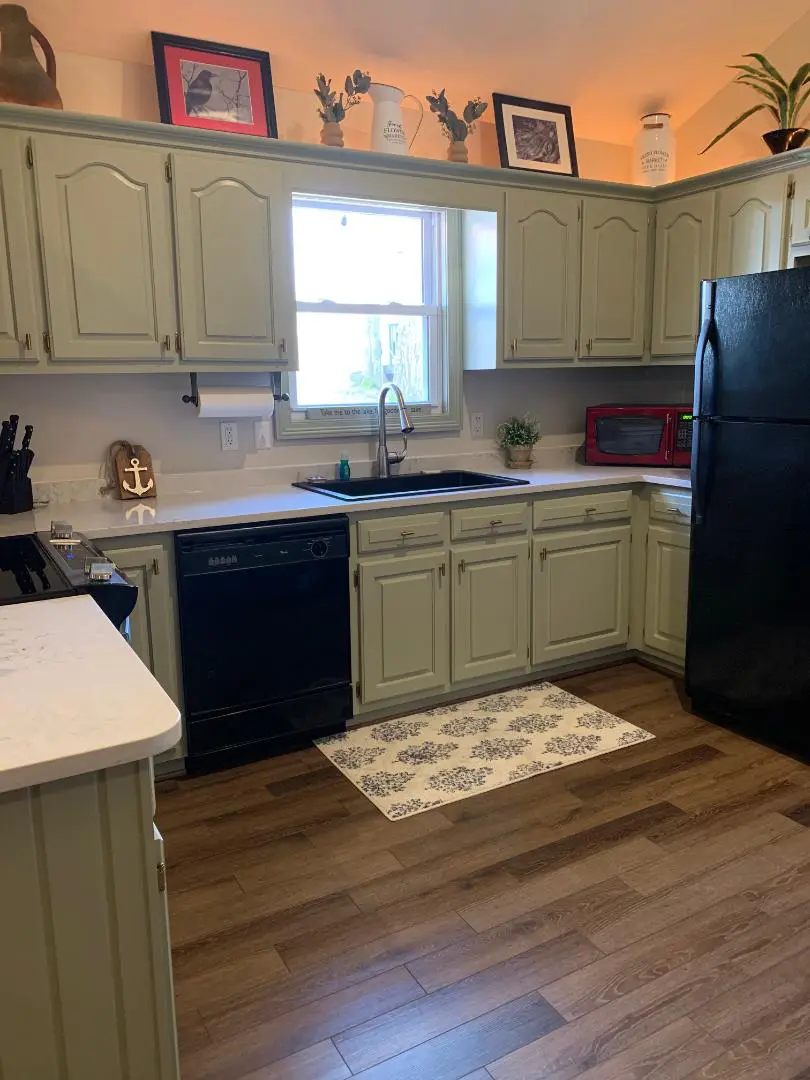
pixel 443 284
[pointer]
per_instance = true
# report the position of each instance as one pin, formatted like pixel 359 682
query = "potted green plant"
pixel 455 127
pixel 783 100
pixel 518 436
pixel 333 108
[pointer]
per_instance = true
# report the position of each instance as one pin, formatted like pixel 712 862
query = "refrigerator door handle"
pixel 707 294
pixel 701 465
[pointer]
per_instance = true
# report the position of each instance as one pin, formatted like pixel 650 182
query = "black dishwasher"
pixel 265 637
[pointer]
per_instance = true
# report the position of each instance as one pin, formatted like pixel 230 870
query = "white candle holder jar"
pixel 654 151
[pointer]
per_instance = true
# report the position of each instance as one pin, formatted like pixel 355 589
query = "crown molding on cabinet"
pixel 28 118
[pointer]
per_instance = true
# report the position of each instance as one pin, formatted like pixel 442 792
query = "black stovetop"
pixel 27 572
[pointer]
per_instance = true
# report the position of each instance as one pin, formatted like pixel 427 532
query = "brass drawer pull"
pixel 590 509
pixel 462 566
pixel 496 521
pixel 406 533
pixel 674 510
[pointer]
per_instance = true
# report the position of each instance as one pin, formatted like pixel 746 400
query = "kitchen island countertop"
pixel 107 518
pixel 74 697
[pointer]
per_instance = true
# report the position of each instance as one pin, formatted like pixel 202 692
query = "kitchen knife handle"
pixel 29 431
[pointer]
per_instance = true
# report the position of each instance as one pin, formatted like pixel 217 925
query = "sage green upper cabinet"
pixel 541 283
pixel 684 249
pixel 234 259
pixel 105 218
pixel 800 208
pixel 615 239
pixel 580 591
pixel 404 631
pixel 490 608
pixel 751 226
pixel 20 326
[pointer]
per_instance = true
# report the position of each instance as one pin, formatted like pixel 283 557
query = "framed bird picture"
pixel 202 84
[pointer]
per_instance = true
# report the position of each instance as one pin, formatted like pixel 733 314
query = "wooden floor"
pixel 640 915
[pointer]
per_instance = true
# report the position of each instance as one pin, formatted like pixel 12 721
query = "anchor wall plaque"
pixel 134 472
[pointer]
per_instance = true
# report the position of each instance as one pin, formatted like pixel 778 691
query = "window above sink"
pixel 378 297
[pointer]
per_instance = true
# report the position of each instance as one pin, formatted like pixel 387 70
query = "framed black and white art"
pixel 535 135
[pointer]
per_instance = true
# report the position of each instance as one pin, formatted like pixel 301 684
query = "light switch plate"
pixel 262 434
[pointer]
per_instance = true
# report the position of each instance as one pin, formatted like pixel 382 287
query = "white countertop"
pixel 74 697
pixel 102 518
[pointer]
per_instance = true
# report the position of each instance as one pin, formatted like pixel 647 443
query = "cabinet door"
pixel 667 590
pixel 541 278
pixel 20 327
pixel 105 223
pixel 751 226
pixel 404 633
pixel 234 259
pixel 580 592
pixel 152 623
pixel 684 242
pixel 800 209
pixel 490 608
pixel 614 278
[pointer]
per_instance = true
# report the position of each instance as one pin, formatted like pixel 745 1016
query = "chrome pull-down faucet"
pixel 386 458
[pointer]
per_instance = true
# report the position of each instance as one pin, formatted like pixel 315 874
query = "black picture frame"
pixel 508 160
pixel 258 57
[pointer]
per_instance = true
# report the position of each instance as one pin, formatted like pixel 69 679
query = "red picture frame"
pixel 214 87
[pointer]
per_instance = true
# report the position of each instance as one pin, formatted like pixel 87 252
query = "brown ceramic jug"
pixel 22 78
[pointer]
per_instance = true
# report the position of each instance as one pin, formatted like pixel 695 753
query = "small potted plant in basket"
pixel 518 438
pixel 333 108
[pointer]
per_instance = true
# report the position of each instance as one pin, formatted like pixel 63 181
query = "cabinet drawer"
pixel 582 509
pixel 407 531
pixel 674 507
pixel 499 519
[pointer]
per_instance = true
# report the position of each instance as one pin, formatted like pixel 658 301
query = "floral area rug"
pixel 418 762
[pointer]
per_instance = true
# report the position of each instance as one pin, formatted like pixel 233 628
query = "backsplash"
pixel 77 417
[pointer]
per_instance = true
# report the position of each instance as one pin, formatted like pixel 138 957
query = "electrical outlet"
pixel 229 435
pixel 262 434
pixel 477 425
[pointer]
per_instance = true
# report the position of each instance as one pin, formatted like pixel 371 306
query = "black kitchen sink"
pixel 392 487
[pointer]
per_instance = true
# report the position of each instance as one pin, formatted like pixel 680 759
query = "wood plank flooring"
pixel 641 915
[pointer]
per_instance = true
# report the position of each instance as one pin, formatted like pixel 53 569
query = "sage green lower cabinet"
pixel 153 622
pixel 667 590
pixel 580 591
pixel 404 628
pixel 490 608
pixel 84 934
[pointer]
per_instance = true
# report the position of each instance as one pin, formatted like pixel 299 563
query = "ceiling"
pixel 611 60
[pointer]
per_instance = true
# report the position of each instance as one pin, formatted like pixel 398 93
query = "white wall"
pixel 77 416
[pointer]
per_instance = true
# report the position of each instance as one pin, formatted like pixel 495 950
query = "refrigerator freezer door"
pixel 757 359
pixel 748 637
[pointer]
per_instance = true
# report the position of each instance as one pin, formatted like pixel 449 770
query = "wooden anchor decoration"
pixel 134 472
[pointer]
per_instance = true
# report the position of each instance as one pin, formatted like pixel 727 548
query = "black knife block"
pixel 17 497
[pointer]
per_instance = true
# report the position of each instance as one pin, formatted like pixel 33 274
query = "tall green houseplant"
pixel 783 100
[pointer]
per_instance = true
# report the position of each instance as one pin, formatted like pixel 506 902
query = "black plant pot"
pixel 785 139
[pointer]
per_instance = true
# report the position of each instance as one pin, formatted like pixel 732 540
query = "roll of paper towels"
pixel 234 402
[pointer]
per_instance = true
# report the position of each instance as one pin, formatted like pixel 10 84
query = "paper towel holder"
pixel 275 385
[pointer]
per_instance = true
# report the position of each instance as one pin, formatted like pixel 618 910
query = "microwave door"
pixel 633 438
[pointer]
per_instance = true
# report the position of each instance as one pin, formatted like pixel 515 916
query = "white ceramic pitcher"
pixel 387 126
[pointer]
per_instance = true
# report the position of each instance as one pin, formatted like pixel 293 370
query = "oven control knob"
pixel 319 549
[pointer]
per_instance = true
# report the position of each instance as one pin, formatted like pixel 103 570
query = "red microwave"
pixel 639 435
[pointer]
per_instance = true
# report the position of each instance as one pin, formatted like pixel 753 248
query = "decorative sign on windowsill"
pixel 339 412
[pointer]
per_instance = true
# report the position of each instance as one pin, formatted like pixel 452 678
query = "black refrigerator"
pixel 748 637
